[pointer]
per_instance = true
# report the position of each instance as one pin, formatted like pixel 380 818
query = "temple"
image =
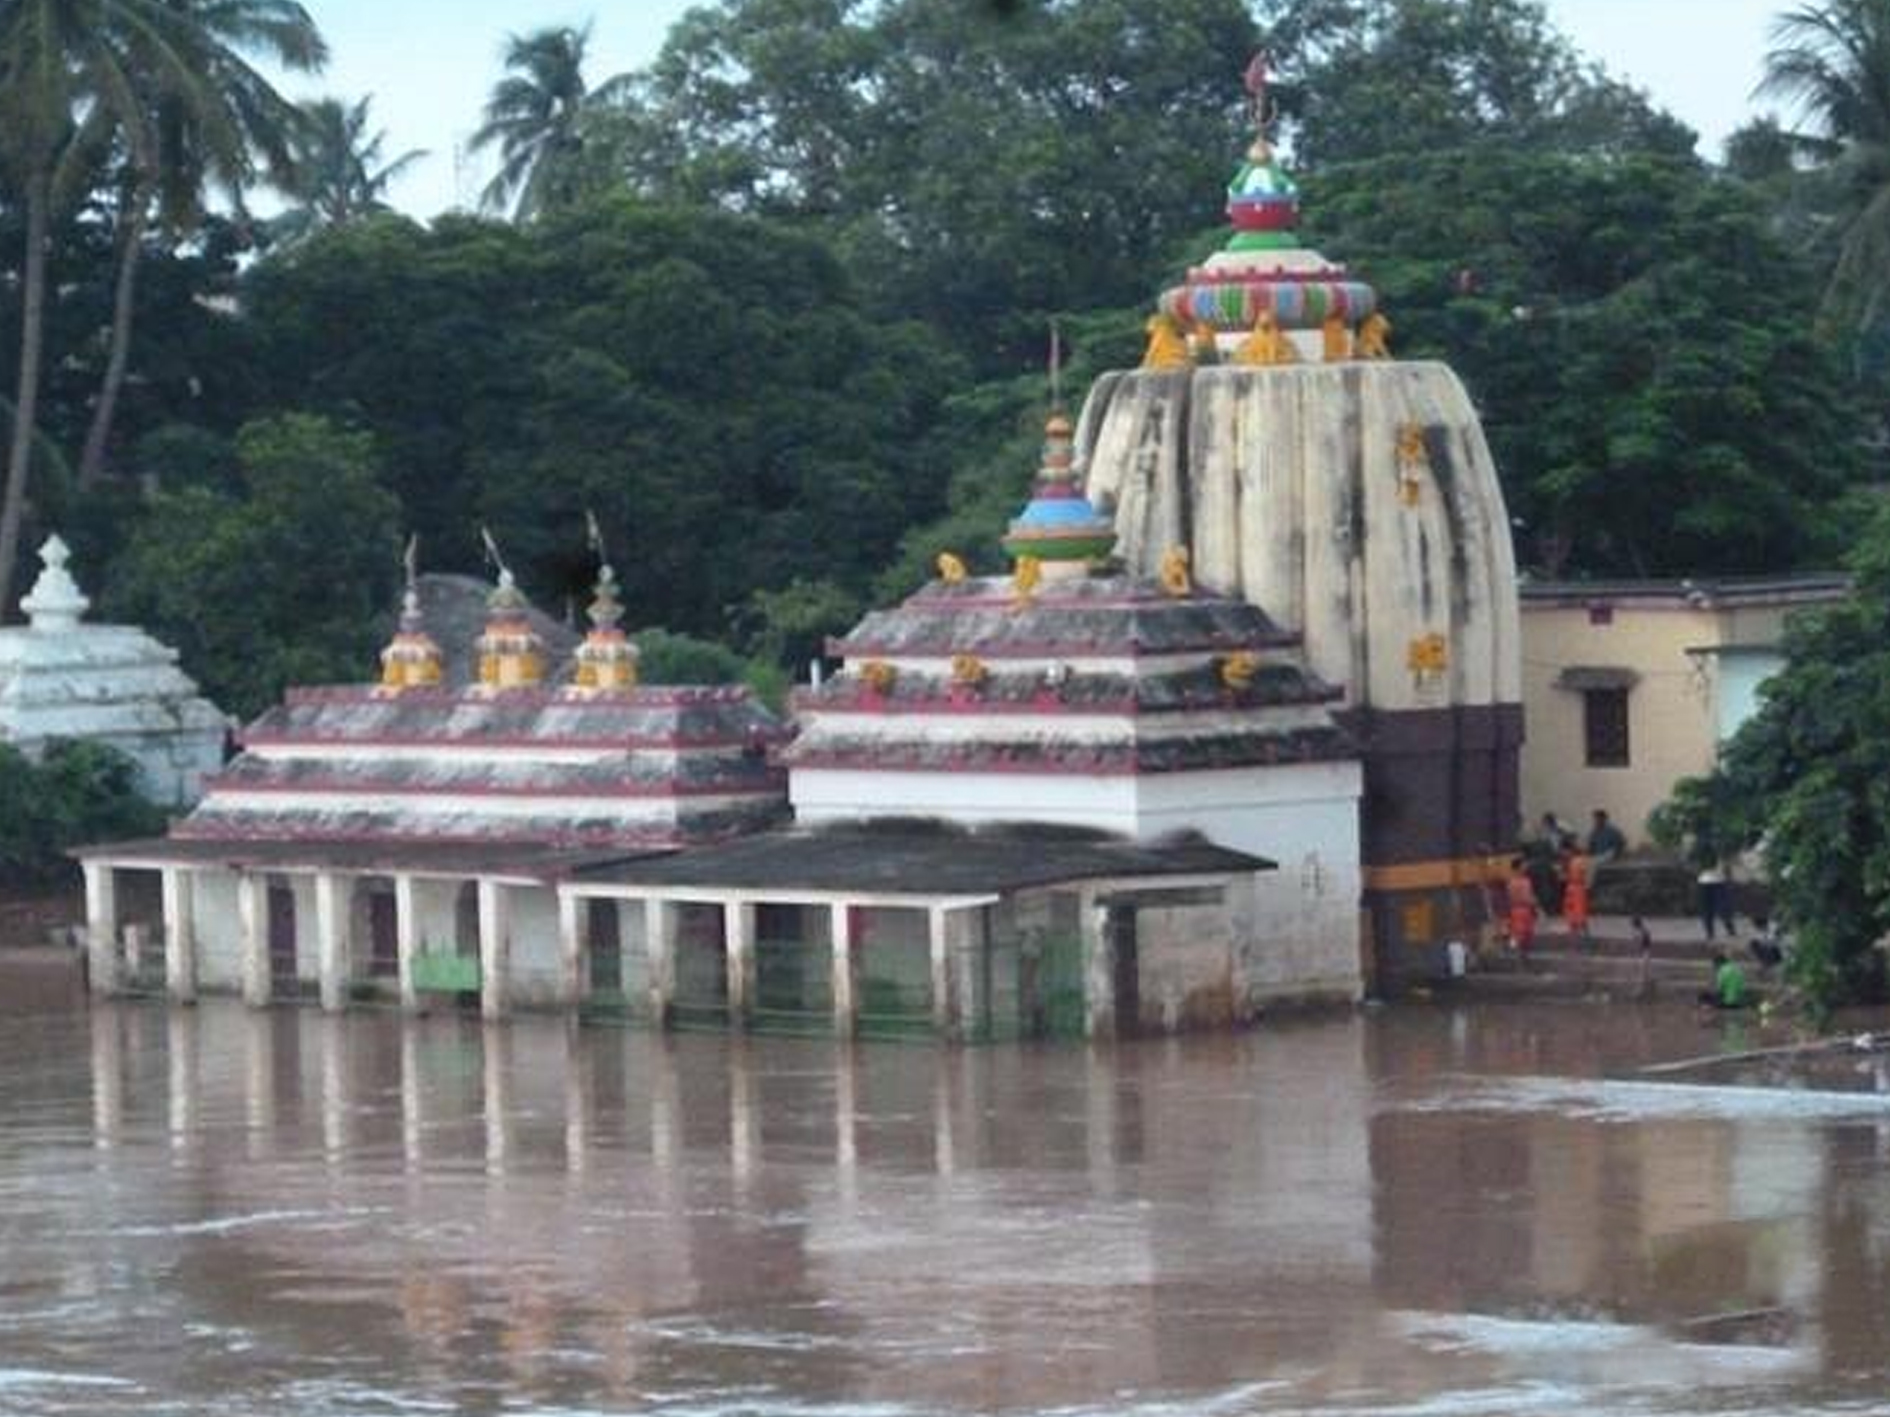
pixel 1352 495
pixel 1048 804
pixel 63 678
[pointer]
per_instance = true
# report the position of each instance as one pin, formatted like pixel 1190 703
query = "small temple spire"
pixel 411 660
pixel 1059 529
pixel 511 654
pixel 607 660
pixel 1259 82
pixel 55 603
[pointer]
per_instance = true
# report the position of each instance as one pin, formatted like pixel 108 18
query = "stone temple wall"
pixel 1356 503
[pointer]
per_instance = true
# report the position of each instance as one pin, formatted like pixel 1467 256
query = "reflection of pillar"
pixel 412 1118
pixel 1101 1119
pixel 666 1127
pixel 497 1078
pixel 846 1125
pixel 577 1098
pixel 259 1083
pixel 846 972
pixel 661 924
pixel 744 1117
pixel 180 934
pixel 181 1051
pixel 1099 972
pixel 331 938
pixel 944 1115
pixel 738 933
pixel 101 927
pixel 334 1059
pixel 252 924
pixel 407 939
pixel 495 949
pixel 571 912
pixel 108 1080
pixel 944 1005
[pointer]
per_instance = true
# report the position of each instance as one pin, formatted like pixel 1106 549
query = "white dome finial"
pixel 55 603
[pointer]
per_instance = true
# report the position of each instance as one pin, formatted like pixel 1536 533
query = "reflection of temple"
pixel 582 1218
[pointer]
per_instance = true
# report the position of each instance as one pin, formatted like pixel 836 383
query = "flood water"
pixel 1415 1211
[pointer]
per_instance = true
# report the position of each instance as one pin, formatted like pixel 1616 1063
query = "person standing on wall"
pixel 1715 898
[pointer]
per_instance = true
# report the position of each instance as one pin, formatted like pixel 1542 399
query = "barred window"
pixel 1605 727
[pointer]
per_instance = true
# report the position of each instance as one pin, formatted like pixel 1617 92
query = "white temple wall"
pixel 1303 932
pixel 1106 803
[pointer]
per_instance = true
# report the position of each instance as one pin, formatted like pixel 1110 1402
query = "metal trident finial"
pixel 492 552
pixel 411 560
pixel 1056 365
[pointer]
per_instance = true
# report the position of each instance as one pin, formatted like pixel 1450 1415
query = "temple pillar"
pixel 495 949
pixel 846 973
pixel 252 924
pixel 738 934
pixel 945 1000
pixel 406 939
pixel 661 925
pixel 101 928
pixel 180 935
pixel 572 910
pixel 331 938
pixel 1099 972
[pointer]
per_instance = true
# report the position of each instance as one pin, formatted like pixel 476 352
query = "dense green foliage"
pixel 1641 344
pixel 774 310
pixel 706 384
pixel 283 578
pixel 76 794
pixel 1807 782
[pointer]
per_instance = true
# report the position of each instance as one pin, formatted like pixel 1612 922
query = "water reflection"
pixel 336 1213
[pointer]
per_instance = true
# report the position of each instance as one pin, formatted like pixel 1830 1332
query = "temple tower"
pixel 1352 495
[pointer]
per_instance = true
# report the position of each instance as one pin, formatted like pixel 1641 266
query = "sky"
pixel 429 63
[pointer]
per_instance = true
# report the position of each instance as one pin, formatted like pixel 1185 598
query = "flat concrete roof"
pixel 867 861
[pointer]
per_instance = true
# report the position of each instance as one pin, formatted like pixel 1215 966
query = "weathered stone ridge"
pixel 1299 488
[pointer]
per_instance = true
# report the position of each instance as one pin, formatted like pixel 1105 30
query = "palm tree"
pixel 65 90
pixel 536 115
pixel 212 115
pixel 335 173
pixel 1832 61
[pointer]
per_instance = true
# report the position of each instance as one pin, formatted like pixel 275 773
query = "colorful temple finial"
pixel 1059 529
pixel 411 660
pixel 1265 269
pixel 511 654
pixel 607 660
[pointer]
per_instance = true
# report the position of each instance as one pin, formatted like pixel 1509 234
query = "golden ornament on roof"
pixel 951 570
pixel 1239 668
pixel 1177 575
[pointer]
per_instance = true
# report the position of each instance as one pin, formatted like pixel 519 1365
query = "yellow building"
pixel 1629 686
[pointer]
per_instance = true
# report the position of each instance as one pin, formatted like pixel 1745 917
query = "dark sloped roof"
pixel 366 857
pixel 1182 754
pixel 1195 688
pixel 652 716
pixel 1110 615
pixel 902 861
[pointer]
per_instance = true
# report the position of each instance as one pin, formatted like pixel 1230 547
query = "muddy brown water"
pixel 1412 1211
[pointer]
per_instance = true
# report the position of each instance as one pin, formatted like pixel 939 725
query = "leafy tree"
pixel 977 169
pixel 336 172
pixel 1367 79
pixel 211 115
pixel 1832 61
pixel 286 583
pixel 1638 341
pixel 537 117
pixel 1807 781
pixel 77 793
pixel 733 423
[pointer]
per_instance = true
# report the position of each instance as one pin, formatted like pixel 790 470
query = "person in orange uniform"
pixel 1521 892
pixel 1575 894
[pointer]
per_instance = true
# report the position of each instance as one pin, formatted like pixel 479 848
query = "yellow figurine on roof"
pixel 1201 346
pixel 1267 345
pixel 951 570
pixel 1167 346
pixel 1026 577
pixel 1177 578
pixel 1338 339
pixel 1374 338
